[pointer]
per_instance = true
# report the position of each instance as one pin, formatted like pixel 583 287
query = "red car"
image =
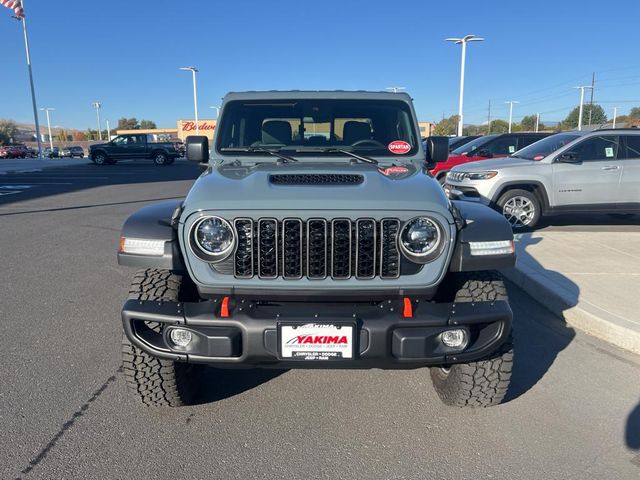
pixel 482 148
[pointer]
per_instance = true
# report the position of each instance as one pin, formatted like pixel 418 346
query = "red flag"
pixel 15 5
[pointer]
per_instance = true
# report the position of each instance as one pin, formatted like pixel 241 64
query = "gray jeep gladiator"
pixel 316 238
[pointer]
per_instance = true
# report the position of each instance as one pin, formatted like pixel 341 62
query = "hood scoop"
pixel 345 179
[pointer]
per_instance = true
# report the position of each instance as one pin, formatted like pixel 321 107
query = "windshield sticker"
pixel 399 147
pixel 395 170
pixel 512 148
pixel 608 152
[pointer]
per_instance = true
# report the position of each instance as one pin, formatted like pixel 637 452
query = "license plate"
pixel 316 341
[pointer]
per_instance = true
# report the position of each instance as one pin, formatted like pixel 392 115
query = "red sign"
pixel 399 147
pixel 191 126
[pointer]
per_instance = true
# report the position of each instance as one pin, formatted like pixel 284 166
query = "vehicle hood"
pixel 96 145
pixel 253 188
pixel 492 164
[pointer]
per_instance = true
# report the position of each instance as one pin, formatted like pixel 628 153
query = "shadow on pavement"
pixel 632 432
pixel 16 187
pixel 225 383
pixel 534 353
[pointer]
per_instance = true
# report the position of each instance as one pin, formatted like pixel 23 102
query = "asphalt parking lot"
pixel 573 411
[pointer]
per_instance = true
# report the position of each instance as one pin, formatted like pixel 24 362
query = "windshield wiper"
pixel 340 150
pixel 273 153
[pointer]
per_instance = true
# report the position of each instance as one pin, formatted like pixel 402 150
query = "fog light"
pixel 456 338
pixel 180 337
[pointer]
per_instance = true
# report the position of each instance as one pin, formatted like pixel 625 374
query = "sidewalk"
pixel 591 279
pixel 30 164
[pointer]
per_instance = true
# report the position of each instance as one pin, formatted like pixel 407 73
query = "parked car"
pixel 571 172
pixel 5 152
pixel 52 152
pixel 180 147
pixel 32 152
pixel 76 151
pixel 15 150
pixel 134 146
pixel 65 152
pixel 330 251
pixel 456 142
pixel 482 148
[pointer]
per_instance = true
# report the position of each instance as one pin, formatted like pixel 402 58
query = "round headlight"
pixel 421 239
pixel 214 238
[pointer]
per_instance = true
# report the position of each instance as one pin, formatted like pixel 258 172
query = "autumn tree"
pixel 147 124
pixel 8 130
pixel 128 124
pixel 447 126
pixel 79 136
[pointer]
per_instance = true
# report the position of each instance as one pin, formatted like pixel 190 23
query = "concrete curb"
pixel 583 315
pixel 36 165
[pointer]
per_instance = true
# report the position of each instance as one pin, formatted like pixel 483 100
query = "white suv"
pixel 570 172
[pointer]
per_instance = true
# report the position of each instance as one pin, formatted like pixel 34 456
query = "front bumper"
pixel 383 336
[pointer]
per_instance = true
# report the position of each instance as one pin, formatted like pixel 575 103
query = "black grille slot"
pixel 365 248
pixel 243 260
pixel 292 238
pixel 389 254
pixel 316 179
pixel 317 248
pixel 268 248
pixel 341 248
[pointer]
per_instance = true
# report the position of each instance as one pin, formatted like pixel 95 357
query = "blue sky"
pixel 127 54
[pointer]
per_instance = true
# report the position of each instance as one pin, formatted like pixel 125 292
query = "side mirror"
pixel 197 148
pixel 437 150
pixel 568 157
pixel 483 152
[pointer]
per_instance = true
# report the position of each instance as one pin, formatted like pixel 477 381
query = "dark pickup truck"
pixel 133 146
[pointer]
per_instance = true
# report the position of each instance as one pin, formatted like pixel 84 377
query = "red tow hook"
pixel 408 308
pixel 224 307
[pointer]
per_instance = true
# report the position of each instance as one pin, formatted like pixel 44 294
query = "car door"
pixel 594 178
pixel 118 147
pixel 502 146
pixel 630 180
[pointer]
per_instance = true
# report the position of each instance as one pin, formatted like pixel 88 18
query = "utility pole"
pixel 537 121
pixel 489 118
pixel 193 71
pixel 463 41
pixel 581 88
pixel 511 102
pixel 615 114
pixel 47 110
pixel 108 132
pixel 98 106
pixel 593 84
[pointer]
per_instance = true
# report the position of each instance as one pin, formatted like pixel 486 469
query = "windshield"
pixel 323 126
pixel 473 144
pixel 546 146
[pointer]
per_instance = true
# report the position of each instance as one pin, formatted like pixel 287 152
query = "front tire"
pixel 154 381
pixel 521 208
pixel 160 158
pixel 485 382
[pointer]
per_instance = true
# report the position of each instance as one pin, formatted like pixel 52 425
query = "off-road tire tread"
pixel 155 381
pixel 485 382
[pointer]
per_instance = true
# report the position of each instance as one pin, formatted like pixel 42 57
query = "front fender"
pixel 479 223
pixel 154 222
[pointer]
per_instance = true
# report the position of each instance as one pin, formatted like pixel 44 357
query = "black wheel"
pixel 160 158
pixel 100 158
pixel 154 381
pixel 483 383
pixel 521 208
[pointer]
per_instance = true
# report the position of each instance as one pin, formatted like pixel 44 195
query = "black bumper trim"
pixel 249 336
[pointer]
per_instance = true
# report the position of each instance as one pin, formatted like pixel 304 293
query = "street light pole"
pixel 463 41
pixel 581 88
pixel 217 107
pixel 615 114
pixel 108 132
pixel 98 106
pixel 193 71
pixel 537 121
pixel 511 102
pixel 47 110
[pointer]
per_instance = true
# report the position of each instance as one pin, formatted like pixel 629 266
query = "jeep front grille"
pixel 316 248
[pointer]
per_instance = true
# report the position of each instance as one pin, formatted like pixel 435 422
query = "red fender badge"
pixel 399 147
